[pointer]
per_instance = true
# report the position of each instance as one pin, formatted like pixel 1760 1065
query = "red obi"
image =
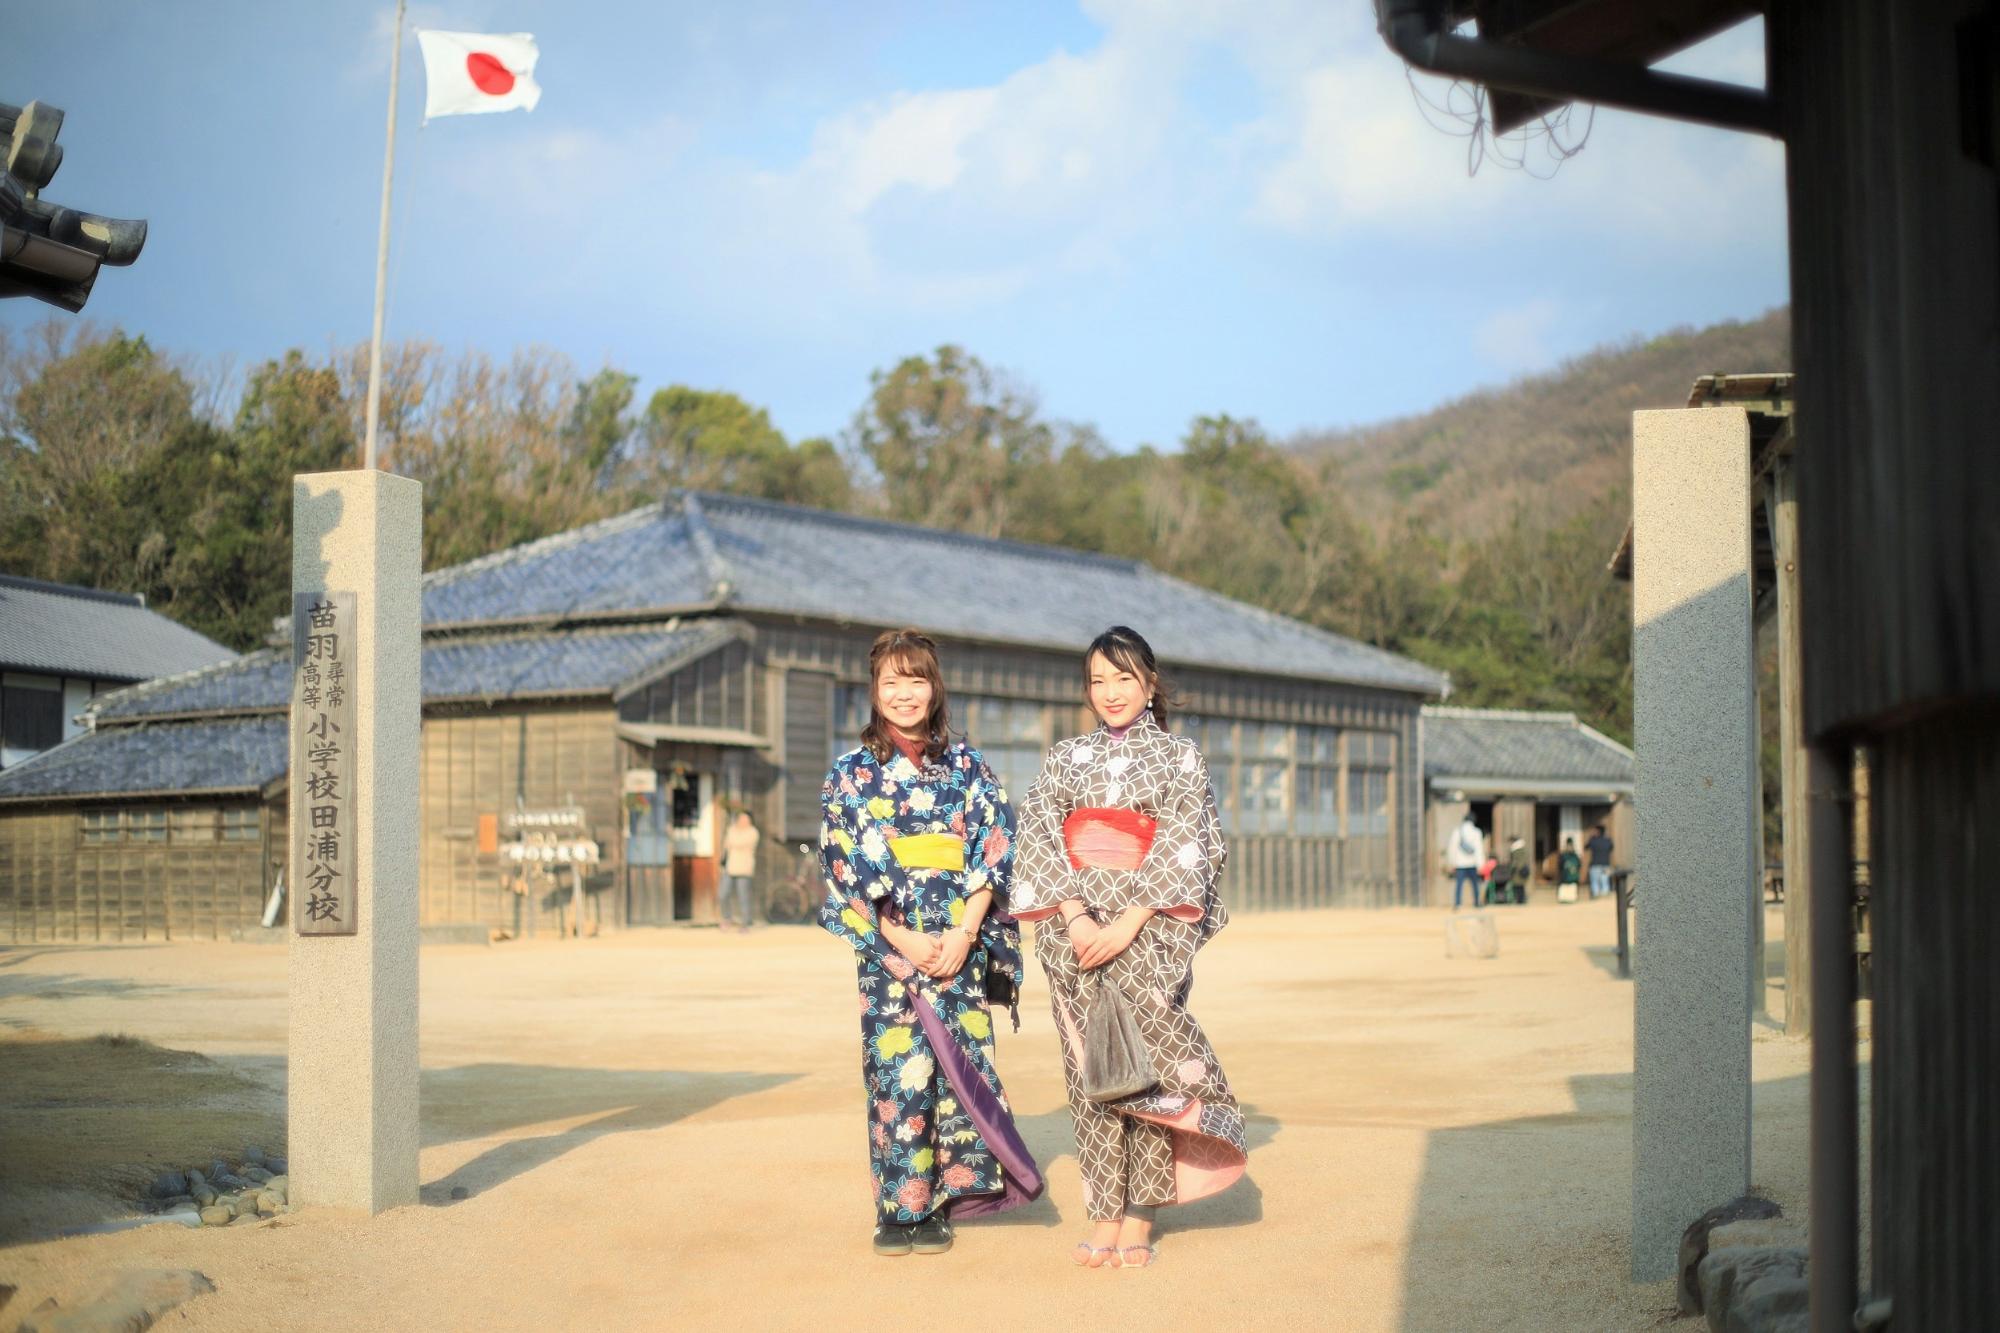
pixel 1108 838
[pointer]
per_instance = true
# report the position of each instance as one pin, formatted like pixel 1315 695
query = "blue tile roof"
pixel 60 630
pixel 758 556
pixel 219 754
pixel 569 662
pixel 1530 747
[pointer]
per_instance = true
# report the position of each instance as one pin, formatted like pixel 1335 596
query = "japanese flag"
pixel 470 72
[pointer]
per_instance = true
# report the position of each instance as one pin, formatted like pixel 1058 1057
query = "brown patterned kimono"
pixel 1182 1139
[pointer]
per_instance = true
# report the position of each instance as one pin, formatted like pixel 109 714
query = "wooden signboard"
pixel 325 900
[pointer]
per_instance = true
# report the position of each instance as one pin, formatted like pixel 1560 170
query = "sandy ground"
pixel 665 1129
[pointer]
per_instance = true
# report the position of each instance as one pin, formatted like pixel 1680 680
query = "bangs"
pixel 1123 656
pixel 909 661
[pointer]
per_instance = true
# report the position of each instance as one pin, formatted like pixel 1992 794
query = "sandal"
pixel 1089 1252
pixel 1152 1254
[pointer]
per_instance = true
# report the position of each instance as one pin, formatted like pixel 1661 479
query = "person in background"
pixel 1462 852
pixel 1599 847
pixel 1496 873
pixel 739 868
pixel 1569 872
pixel 1520 869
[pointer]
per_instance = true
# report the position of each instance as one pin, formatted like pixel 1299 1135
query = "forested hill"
pixel 1547 442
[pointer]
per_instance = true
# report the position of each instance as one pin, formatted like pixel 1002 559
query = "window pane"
pixel 192 824
pixel 100 826
pixel 239 825
pixel 146 825
pixel 30 718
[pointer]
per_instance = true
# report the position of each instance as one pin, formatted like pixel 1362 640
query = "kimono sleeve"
pixel 1043 877
pixel 989 834
pixel 855 880
pixel 1179 874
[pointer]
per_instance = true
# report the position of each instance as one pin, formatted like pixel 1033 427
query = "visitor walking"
pixel 1599 847
pixel 1462 851
pixel 1520 869
pixel 1569 872
pixel 1121 853
pixel 739 870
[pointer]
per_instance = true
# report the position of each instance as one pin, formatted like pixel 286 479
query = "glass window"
pixel 192 824
pixel 30 717
pixel 1316 786
pixel 240 824
pixel 148 825
pixel 101 826
pixel 1370 804
pixel 850 715
pixel 1012 734
pixel 1216 738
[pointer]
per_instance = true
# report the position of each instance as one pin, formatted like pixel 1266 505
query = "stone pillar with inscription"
pixel 357 555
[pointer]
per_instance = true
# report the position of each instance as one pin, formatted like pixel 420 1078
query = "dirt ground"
pixel 665 1130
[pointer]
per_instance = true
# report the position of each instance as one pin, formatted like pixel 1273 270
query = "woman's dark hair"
pixel 1127 649
pixel 911 653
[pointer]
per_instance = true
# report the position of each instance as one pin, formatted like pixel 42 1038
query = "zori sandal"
pixel 1124 1251
pixel 1083 1253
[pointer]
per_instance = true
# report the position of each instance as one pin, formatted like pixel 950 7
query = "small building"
pixel 595 702
pixel 61 646
pixel 1540 777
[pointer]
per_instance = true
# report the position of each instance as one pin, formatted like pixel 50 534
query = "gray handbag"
pixel 1116 1063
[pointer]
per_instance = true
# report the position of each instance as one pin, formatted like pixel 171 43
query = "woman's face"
pixel 904 699
pixel 1116 695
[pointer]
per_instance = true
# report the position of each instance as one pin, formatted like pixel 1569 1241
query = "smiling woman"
pixel 917 846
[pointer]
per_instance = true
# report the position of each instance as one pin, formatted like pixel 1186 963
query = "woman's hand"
pixel 1084 933
pixel 953 947
pixel 914 945
pixel 1108 941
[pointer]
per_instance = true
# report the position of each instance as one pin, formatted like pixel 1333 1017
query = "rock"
pixel 1772 1305
pixel 256 1175
pixel 216 1216
pixel 253 1155
pixel 229 1182
pixel 195 1178
pixel 269 1204
pixel 167 1184
pixel 205 1196
pixel 7 1290
pixel 281 1184
pixel 460 1192
pixel 1694 1243
pixel 178 1201
pixel 217 1169
pixel 275 1165
pixel 1783 1232
pixel 247 1220
pixel 1731 1277
pixel 187 1217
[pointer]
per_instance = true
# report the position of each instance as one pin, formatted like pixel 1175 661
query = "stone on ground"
pixel 129 1303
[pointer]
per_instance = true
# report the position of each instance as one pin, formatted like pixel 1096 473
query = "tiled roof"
pixel 60 630
pixel 218 754
pixel 569 662
pixel 1547 747
pixel 754 555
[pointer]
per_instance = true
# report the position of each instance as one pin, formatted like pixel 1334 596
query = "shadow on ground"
pixel 487 1100
pixel 1485 1185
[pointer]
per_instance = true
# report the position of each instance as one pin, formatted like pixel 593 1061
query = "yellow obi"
pixel 929 851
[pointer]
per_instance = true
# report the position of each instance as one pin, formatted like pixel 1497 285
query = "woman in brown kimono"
pixel 1119 853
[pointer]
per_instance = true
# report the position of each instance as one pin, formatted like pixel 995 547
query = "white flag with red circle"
pixel 469 72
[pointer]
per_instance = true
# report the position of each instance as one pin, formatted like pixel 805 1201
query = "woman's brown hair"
pixel 1126 649
pixel 911 653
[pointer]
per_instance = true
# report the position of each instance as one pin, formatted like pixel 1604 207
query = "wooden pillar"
pixel 1782 507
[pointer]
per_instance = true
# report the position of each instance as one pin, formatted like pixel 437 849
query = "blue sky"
pixel 1144 211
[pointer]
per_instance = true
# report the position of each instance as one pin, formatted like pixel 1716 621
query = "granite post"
pixel 1695 720
pixel 357 554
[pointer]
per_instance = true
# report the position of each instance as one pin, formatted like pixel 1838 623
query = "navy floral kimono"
pixel 941 1135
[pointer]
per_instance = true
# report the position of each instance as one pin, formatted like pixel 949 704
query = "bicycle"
pixel 796 900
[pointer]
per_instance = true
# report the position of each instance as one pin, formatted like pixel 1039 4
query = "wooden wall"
pixel 55 888
pixel 482 763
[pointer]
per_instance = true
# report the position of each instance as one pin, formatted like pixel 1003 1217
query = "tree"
pixel 951 442
pixel 711 440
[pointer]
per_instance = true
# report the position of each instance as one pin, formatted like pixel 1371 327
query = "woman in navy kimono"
pixel 917 846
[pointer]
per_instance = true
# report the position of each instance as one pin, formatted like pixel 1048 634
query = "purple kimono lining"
pixel 1020 1178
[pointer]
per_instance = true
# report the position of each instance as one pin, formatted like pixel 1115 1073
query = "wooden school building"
pixel 597 702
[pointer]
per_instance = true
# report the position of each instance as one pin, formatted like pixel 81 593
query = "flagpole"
pixel 382 248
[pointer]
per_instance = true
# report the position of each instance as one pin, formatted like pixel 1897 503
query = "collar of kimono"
pixel 1140 724
pixel 909 748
